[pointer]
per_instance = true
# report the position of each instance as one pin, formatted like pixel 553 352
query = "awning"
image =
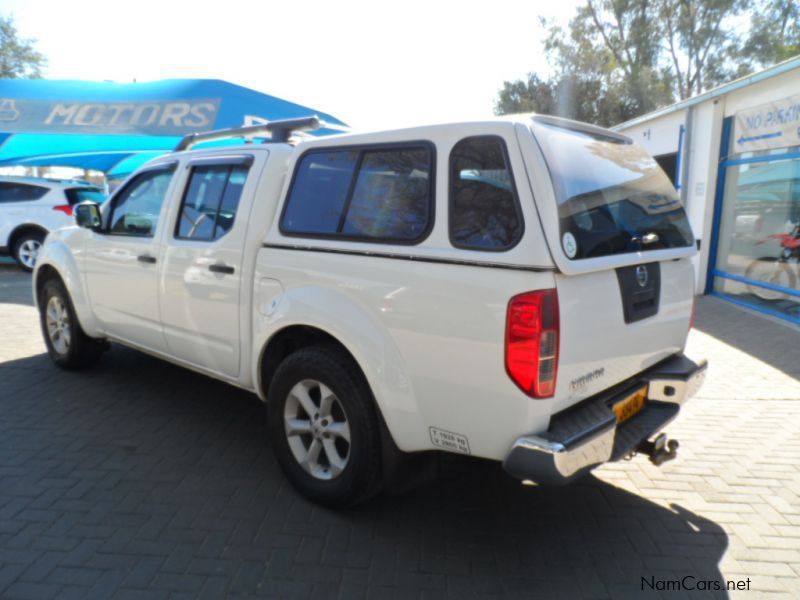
pixel 117 127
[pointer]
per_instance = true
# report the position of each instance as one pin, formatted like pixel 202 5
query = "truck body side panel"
pixel 428 336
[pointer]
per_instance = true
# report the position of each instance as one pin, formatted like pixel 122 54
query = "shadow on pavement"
pixel 773 343
pixel 138 462
pixel 15 284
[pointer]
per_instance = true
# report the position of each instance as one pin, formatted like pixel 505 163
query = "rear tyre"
pixel 324 427
pixel 26 249
pixel 69 347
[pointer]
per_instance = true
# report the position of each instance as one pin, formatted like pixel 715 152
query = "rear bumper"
pixel 587 435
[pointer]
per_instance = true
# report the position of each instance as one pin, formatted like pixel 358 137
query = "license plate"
pixel 627 408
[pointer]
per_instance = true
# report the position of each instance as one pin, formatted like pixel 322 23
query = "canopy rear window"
pixel 612 196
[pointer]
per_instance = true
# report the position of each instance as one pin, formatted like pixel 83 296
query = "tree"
pixel 533 95
pixel 571 96
pixel 623 31
pixel 774 33
pixel 702 41
pixel 635 56
pixel 18 57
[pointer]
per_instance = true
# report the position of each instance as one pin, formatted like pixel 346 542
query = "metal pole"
pixel 686 156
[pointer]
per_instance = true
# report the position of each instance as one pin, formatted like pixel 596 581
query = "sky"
pixel 371 64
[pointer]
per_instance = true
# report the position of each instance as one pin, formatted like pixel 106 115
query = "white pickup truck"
pixel 519 290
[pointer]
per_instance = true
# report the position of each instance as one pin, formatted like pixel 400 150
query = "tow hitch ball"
pixel 660 450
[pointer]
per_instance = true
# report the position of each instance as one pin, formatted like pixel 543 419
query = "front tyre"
pixel 69 347
pixel 324 427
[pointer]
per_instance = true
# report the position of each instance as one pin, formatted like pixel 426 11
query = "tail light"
pixel 532 329
pixel 694 311
pixel 65 208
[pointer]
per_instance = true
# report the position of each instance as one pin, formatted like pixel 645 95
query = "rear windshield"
pixel 613 198
pixel 82 194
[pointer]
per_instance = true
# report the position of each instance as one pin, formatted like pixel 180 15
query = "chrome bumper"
pixel 587 435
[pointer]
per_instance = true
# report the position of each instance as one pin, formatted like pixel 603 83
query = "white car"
pixel 519 290
pixel 31 207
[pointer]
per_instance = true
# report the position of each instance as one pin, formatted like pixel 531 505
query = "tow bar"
pixel 660 450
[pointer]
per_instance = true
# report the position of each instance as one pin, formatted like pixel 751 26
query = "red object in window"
pixel 65 208
pixel 532 332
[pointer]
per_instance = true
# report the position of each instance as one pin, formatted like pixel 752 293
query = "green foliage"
pixel 702 41
pixel 533 95
pixel 774 33
pixel 18 57
pixel 622 58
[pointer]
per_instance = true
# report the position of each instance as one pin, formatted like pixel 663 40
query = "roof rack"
pixel 278 131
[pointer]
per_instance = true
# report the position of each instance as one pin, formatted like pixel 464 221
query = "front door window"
pixel 137 207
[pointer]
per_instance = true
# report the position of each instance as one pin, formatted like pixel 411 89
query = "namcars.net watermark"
pixel 690 583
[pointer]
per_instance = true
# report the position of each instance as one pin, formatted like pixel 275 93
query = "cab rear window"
pixel 612 196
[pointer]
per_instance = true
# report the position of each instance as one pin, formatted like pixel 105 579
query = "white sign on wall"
pixel 773 125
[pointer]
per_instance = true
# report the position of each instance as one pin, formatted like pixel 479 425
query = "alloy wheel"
pixel 28 252
pixel 58 325
pixel 317 429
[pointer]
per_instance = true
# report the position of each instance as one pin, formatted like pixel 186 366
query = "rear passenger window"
pixel 210 202
pixel 379 195
pixel 484 208
pixel 20 192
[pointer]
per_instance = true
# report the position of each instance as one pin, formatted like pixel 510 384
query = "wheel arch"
pixel 291 339
pixel 56 260
pixel 391 403
pixel 42 275
pixel 22 229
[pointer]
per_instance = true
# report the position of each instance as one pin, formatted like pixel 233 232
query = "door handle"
pixel 146 258
pixel 221 268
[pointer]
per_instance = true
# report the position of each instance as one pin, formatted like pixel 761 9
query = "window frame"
pixel 170 167
pixel 451 198
pixel 362 149
pixel 245 160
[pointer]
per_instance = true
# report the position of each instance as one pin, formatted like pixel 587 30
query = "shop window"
pixel 758 252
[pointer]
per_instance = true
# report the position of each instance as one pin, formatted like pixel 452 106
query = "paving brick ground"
pixel 138 479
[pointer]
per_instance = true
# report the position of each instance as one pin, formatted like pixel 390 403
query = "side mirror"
pixel 87 214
